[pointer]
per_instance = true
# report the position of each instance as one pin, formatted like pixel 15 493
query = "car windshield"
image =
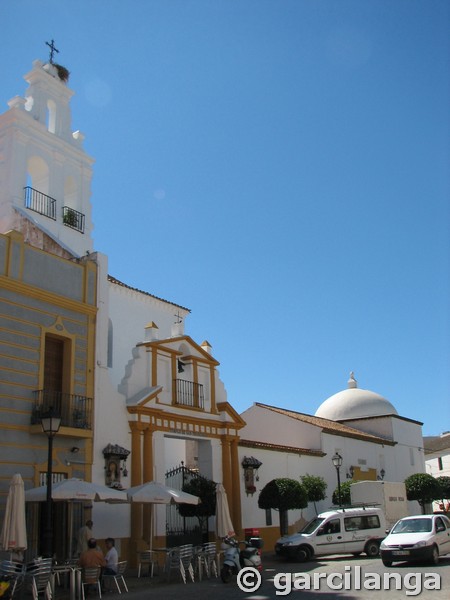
pixel 413 526
pixel 312 525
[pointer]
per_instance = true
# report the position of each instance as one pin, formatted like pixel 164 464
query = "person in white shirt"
pixel 111 557
pixel 84 535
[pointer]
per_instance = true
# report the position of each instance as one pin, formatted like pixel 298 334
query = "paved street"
pixel 345 568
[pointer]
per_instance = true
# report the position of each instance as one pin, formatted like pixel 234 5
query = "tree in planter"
pixel 315 488
pixel 345 493
pixel 422 487
pixel 444 482
pixel 283 494
pixel 205 489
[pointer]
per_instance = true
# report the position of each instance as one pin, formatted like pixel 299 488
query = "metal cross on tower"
pixel 178 317
pixel 53 49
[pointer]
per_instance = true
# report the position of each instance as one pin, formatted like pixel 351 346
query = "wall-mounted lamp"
pixel 74 449
pixel 381 475
pixel 350 473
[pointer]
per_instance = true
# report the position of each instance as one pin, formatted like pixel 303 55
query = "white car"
pixel 422 537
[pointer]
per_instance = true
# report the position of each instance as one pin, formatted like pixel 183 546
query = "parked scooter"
pixel 234 559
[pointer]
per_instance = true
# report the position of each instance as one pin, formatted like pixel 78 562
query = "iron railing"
pixel 40 203
pixel 189 393
pixel 75 410
pixel 183 530
pixel 72 218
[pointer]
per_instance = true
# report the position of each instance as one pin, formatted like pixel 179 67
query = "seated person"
pixel 92 557
pixel 111 557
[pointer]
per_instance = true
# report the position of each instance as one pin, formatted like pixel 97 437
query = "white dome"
pixel 354 403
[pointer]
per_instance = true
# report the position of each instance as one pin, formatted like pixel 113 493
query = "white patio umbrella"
pixel 76 489
pixel 153 492
pixel 14 531
pixel 224 526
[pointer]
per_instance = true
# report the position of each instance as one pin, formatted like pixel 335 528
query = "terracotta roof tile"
pixel 280 448
pixel 328 426
pixel 435 443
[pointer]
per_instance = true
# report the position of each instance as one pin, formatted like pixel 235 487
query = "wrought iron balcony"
pixel 72 218
pixel 40 203
pixel 75 410
pixel 188 393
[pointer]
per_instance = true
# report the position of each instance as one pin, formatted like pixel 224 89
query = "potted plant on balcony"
pixel 70 217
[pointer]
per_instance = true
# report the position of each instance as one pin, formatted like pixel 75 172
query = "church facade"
pixel 137 395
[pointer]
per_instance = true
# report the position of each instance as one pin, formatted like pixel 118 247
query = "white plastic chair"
pixel 91 576
pixel 14 571
pixel 118 577
pixel 149 558
pixel 209 557
pixel 39 573
pixel 186 559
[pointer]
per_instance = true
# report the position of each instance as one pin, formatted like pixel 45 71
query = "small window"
pixel 51 116
pixel 439 525
pixel 373 521
pixel 268 517
pixel 352 523
pixel 363 522
pixel 331 527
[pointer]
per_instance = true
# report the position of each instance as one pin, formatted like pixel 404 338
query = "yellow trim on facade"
pixel 47 297
pixel 168 421
pixel 212 383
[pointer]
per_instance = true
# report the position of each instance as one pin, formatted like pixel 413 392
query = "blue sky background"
pixel 281 168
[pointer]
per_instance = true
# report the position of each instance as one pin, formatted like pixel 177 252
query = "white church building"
pixel 138 394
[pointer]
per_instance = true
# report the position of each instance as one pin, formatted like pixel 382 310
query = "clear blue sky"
pixel 281 168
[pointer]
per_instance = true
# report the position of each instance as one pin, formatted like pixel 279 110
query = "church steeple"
pixel 45 175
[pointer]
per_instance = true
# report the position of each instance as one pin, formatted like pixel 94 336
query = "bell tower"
pixel 45 175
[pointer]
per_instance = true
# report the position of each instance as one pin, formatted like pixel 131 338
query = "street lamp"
pixel 337 462
pixel 50 423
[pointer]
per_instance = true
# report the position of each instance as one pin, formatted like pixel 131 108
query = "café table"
pixel 74 572
pixel 165 553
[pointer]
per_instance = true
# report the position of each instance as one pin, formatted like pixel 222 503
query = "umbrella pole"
pixel 70 528
pixel 151 527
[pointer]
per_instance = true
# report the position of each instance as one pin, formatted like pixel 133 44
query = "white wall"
pixel 273 428
pixel 433 467
pixel 380 426
pixel 274 465
pixel 130 312
pixel 264 425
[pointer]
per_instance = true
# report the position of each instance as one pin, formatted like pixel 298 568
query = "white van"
pixel 340 531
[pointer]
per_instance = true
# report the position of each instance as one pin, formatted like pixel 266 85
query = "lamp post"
pixel 337 462
pixel 50 423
